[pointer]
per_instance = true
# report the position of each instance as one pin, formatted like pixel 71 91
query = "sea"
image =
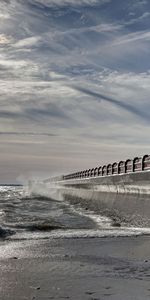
pixel 24 216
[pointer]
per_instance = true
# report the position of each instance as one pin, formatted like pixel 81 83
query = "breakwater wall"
pixel 120 190
pixel 133 183
pixel 131 177
pixel 124 198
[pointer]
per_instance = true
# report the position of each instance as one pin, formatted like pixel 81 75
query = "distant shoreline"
pixel 10 184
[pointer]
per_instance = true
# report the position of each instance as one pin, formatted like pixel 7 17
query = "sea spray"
pixel 50 190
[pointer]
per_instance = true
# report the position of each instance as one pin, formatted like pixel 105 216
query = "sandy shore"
pixel 94 269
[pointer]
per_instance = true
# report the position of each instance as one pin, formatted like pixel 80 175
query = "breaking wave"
pixel 24 216
pixel 4 233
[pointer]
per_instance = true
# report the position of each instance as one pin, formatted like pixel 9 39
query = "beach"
pixel 115 268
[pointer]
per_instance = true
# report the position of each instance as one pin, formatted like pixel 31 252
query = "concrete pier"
pixel 124 196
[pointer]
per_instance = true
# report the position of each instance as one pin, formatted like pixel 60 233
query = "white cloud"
pixel 139 3
pixel 106 27
pixel 132 37
pixel 12 63
pixel 4 40
pixel 139 18
pixel 4 16
pixel 54 76
pixel 70 2
pixel 27 42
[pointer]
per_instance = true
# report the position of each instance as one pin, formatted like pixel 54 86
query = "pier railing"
pixel 122 167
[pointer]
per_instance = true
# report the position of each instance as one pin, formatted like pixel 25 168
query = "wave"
pixel 5 232
pixel 117 232
pixel 2 213
pixel 81 234
pixel 41 226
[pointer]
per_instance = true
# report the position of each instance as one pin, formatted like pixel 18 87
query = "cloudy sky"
pixel 74 84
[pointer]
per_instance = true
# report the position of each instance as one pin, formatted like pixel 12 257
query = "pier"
pixel 131 176
pixel 118 190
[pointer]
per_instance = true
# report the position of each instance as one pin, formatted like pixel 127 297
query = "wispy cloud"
pixel 74 82
pixel 26 133
pixel 61 3
pixel 132 37
pixel 27 42
pixel 121 104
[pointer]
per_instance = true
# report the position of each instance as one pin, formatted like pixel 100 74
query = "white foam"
pixel 101 221
pixel 82 233
pixel 2 213
pixel 123 232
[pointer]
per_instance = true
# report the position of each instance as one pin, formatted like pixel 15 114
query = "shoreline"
pixel 100 268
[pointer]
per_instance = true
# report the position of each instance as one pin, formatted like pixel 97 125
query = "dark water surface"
pixel 24 216
pixel 56 250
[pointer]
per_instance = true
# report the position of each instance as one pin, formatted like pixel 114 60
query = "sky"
pixel 74 85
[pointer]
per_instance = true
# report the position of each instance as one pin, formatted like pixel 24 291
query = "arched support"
pixel 92 172
pixel 128 166
pixel 114 168
pixel 137 164
pixel 145 162
pixel 104 170
pixel 96 171
pixel 121 167
pixel 109 169
pixel 100 171
pixel 89 172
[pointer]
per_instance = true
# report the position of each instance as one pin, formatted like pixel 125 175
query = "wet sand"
pixel 90 268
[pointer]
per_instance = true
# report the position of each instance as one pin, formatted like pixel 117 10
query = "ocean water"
pixel 24 216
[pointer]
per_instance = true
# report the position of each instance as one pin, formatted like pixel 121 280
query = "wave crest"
pixel 4 232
